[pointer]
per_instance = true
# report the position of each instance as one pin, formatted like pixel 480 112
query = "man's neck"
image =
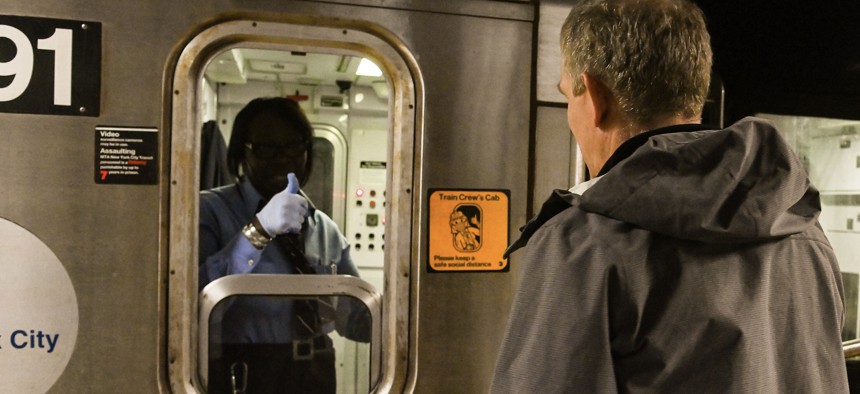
pixel 631 145
pixel 620 133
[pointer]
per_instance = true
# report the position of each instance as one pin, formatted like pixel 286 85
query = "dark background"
pixel 791 58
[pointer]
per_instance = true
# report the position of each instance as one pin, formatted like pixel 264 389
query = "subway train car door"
pixel 358 123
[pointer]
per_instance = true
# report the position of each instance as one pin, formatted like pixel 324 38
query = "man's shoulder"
pixel 575 220
pixel 561 212
pixel 577 231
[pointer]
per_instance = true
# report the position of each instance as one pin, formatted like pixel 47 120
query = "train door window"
pixel 256 306
pixel 362 140
pixel 337 100
pixel 830 151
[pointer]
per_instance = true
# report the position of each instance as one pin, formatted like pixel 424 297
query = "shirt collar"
pixel 582 187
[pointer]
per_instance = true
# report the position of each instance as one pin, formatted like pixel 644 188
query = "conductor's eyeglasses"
pixel 267 152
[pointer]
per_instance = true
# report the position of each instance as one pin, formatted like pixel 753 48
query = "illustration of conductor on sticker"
pixel 466 227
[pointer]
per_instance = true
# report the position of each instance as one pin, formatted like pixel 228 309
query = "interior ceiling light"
pixel 368 69
pixel 278 67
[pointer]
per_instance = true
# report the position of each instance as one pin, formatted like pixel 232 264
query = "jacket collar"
pixel 628 147
pixel 560 200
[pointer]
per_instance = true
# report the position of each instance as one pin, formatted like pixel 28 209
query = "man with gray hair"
pixel 692 260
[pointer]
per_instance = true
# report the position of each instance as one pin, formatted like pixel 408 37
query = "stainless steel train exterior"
pixel 459 113
pixel 102 110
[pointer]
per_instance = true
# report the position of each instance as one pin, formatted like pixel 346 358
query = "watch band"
pixel 256 236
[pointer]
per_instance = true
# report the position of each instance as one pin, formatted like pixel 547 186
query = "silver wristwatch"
pixel 257 237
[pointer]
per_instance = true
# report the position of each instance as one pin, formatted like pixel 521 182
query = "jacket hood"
pixel 739 184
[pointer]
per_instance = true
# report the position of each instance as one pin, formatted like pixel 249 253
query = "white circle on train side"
pixel 39 320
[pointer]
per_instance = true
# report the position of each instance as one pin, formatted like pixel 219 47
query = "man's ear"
pixel 598 97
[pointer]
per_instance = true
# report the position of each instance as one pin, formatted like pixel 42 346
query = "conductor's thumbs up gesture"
pixel 286 211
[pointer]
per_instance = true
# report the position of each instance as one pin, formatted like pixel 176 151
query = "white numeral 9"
pixel 21 66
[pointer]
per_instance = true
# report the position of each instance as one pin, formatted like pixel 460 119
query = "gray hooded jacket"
pixel 694 264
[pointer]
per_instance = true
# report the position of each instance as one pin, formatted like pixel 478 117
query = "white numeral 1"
pixel 61 44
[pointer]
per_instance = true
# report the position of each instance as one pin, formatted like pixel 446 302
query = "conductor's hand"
pixel 286 211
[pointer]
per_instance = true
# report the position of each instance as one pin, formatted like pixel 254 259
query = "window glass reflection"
pixel 254 355
pixel 830 151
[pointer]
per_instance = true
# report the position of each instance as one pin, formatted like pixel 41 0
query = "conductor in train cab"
pixel 692 260
pixel 264 224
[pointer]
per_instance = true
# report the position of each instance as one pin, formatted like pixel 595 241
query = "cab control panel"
pixel 366 199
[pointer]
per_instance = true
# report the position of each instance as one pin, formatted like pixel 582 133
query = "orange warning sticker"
pixel 468 230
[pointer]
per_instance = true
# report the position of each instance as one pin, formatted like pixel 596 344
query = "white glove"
pixel 286 211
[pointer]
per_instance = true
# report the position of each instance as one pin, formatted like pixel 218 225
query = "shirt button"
pixel 251 262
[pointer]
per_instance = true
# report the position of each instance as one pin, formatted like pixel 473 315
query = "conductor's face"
pixel 274 149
